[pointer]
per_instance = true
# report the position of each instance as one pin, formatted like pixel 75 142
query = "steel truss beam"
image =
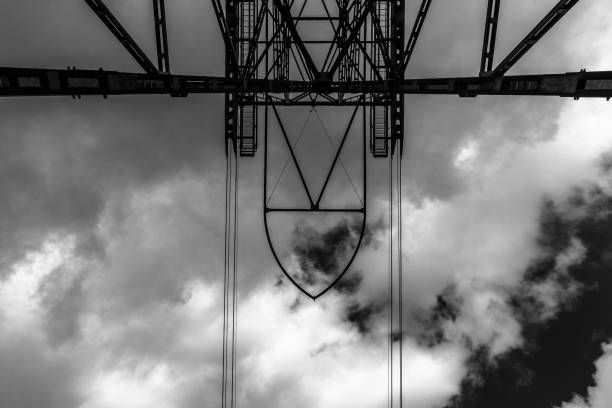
pixel 121 34
pixel 354 30
pixel 224 27
pixel 251 66
pixel 548 22
pixel 229 29
pixel 490 34
pixel 380 41
pixel 161 36
pixel 416 31
pixel 285 13
pixel 50 82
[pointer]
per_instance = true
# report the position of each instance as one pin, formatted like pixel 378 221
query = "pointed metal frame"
pixel 314 205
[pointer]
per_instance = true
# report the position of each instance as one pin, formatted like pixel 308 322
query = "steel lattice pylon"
pixel 360 28
pixel 270 62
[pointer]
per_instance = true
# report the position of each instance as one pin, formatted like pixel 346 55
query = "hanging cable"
pixel 400 278
pixel 235 285
pixel 228 170
pixel 390 357
pixel 230 279
pixel 395 256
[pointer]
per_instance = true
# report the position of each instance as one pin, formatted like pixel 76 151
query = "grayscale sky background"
pixel 111 221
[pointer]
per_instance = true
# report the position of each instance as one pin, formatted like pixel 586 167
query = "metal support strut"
pixel 107 17
pixel 490 33
pixel 161 36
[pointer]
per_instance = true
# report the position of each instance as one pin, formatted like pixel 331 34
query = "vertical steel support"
pixel 161 36
pixel 280 47
pixel 379 115
pixel 248 33
pixel 397 72
pixel 355 31
pixel 285 12
pixel 231 69
pixel 488 45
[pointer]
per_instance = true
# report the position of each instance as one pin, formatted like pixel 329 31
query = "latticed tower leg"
pixel 397 59
pixel 240 109
pixel 247 44
pixel 231 99
pixel 379 114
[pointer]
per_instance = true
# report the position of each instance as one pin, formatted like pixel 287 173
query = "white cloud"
pixel 485 318
pixel 467 154
pixel 151 325
pixel 599 396
pixel 19 303
pixel 310 358
pixel 145 387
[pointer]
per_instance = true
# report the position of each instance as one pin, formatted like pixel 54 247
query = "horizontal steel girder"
pixel 49 82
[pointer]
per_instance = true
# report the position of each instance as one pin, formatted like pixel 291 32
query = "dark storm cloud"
pixel 557 361
pixel 32 377
pixel 322 251
pixel 323 254
pixel 60 160
pixel 437 128
pixel 71 166
pixel 350 283
pixel 63 299
pixel 429 329
pixel 61 167
pixel 450 45
pixel 326 251
pixel 363 315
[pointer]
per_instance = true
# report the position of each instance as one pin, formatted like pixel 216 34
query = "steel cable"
pixel 390 357
pixel 235 283
pixel 399 277
pixel 228 171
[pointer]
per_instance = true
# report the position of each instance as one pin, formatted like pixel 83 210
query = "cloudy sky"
pixel 111 221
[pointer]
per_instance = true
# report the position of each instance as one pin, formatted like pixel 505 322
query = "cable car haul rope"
pixel 230 275
pixel 395 272
pixel 270 63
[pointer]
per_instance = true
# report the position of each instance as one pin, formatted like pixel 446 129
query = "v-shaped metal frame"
pixel 315 202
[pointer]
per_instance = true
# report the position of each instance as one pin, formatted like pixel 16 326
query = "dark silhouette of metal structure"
pixel 368 36
pixel 270 62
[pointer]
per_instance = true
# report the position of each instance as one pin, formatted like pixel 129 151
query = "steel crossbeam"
pixel 364 65
pixel 49 82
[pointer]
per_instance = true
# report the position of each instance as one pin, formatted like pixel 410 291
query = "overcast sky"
pixel 111 221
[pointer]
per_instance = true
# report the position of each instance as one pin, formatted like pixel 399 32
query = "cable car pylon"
pixel 270 63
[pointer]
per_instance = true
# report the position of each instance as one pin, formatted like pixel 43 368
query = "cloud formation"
pixel 600 395
pixel 110 283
